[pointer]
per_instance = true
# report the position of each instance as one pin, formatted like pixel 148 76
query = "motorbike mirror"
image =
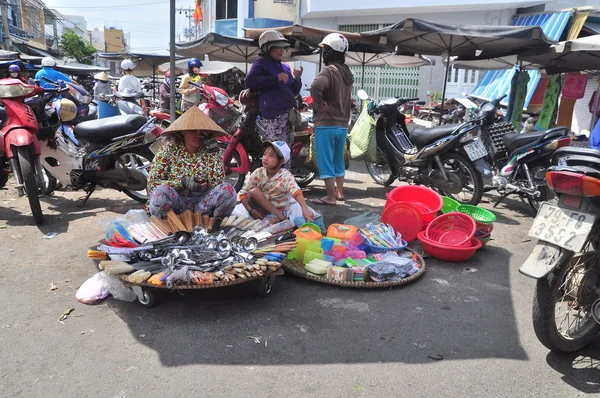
pixel 362 94
pixel 428 92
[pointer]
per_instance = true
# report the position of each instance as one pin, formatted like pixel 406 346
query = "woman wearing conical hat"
pixel 102 86
pixel 186 174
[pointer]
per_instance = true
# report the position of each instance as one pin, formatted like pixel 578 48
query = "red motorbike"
pixel 19 145
pixel 243 147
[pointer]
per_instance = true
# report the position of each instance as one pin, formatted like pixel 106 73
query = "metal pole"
pixel 5 30
pixel 445 79
pixel 320 59
pixel 154 82
pixel 593 122
pixel 172 89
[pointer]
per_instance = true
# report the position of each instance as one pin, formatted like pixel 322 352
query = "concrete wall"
pixel 269 9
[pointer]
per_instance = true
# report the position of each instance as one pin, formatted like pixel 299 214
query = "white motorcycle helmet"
pixel 48 61
pixel 336 41
pixel 127 64
pixel 272 38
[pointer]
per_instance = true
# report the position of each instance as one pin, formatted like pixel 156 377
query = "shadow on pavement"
pixel 580 370
pixel 452 312
pixel 59 211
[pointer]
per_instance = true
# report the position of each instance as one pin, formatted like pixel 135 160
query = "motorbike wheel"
pixel 235 179
pixel 140 159
pixel 562 301
pixel 538 174
pixel 30 182
pixel 380 171
pixel 48 183
pixel 473 184
pixel 304 176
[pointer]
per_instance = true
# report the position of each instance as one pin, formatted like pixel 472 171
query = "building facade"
pixel 114 40
pixel 229 17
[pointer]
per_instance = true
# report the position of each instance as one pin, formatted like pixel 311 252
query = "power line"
pixel 121 6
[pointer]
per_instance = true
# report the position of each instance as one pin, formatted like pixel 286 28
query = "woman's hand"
pixel 283 77
pixel 298 73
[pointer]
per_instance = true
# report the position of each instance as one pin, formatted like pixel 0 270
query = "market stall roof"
pixel 208 67
pixel 77 69
pixel 573 55
pixel 145 63
pixel 382 59
pixel 424 37
pixel 497 63
pixel 8 55
pixel 220 48
pixel 496 83
pixel 308 36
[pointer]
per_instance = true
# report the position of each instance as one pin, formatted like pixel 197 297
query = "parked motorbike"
pixel 243 148
pixel 448 158
pixel 113 153
pixel 19 145
pixel 519 161
pixel 566 301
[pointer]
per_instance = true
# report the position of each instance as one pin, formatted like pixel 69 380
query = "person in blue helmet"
pixel 190 93
pixel 15 73
pixel 48 71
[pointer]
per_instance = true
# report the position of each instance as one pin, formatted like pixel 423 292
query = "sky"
pixel 146 20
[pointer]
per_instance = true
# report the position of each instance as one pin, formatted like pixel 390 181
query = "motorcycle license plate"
pixel 562 227
pixel 475 150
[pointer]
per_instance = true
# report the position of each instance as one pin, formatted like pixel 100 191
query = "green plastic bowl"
pixel 449 204
pixel 479 214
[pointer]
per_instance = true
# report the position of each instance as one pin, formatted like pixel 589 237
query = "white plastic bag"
pixel 99 286
pixel 94 289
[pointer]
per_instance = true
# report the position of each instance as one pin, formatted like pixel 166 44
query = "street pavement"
pixel 462 330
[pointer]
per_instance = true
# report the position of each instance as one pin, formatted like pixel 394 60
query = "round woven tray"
pixel 297 268
pixel 237 281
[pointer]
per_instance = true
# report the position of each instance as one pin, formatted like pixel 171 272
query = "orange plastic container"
pixel 308 233
pixel 341 231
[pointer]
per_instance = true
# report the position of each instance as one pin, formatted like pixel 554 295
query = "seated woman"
pixel 185 174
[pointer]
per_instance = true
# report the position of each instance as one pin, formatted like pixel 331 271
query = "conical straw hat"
pixel 194 119
pixel 101 76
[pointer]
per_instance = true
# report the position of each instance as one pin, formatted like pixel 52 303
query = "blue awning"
pixel 495 84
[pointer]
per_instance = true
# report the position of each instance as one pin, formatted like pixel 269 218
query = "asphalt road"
pixel 462 330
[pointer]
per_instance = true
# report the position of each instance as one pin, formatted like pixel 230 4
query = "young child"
pixel 268 189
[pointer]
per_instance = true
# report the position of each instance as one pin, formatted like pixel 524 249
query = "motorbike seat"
pixel 422 136
pixel 515 141
pixel 108 128
pixel 92 113
pixel 578 156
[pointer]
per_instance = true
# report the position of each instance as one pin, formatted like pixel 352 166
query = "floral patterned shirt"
pixel 173 162
pixel 277 188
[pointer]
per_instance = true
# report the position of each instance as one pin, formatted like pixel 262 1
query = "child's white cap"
pixel 281 148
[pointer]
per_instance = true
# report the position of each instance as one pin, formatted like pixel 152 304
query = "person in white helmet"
pixel 48 71
pixel 278 87
pixel 129 80
pixel 332 94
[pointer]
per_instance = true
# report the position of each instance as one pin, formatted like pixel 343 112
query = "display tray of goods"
pixel 371 257
pixel 183 252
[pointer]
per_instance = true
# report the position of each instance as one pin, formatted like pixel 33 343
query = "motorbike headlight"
pixel 222 100
pixel 80 97
pixel 470 135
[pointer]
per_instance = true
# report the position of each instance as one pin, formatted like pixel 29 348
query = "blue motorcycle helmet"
pixel 14 69
pixel 193 63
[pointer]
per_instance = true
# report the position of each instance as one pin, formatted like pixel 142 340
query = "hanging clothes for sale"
pixel 519 102
pixel 511 96
pixel 549 106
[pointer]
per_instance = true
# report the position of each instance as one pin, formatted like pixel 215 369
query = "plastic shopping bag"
pixel 363 144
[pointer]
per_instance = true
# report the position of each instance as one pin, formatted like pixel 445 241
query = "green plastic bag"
pixel 363 143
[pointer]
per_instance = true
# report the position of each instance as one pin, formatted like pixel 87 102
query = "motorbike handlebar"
pixel 496 102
